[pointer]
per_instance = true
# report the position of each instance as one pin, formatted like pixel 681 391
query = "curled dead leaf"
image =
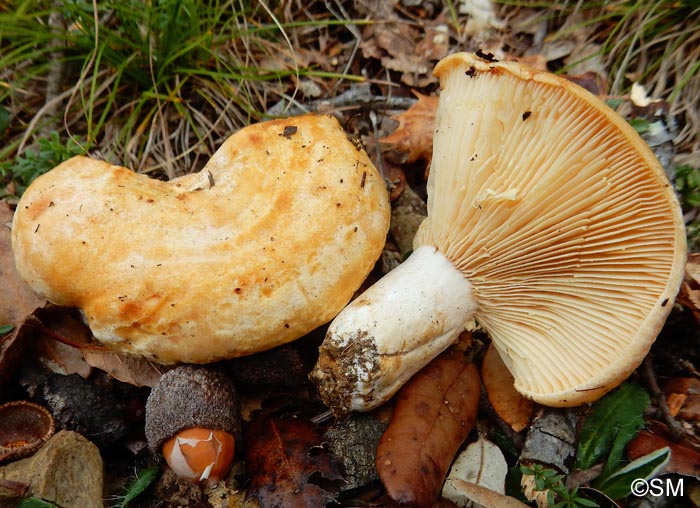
pixel 683 397
pixel 482 463
pixel 509 404
pixel 414 135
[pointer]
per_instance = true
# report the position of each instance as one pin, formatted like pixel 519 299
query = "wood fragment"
pixel 551 439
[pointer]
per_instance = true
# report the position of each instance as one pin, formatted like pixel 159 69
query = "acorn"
pixel 193 418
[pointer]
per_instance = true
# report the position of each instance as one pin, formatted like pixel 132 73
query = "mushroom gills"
pixel 367 356
pixel 558 214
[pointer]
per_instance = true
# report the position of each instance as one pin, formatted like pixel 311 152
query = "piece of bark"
pixel 353 441
pixel 552 439
pixel 434 413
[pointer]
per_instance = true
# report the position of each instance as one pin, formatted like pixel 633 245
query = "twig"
pixel 54 78
pixel 355 97
pixel 675 429
pixel 355 33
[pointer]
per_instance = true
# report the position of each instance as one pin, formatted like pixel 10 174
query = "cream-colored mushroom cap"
pixel 561 218
pixel 267 242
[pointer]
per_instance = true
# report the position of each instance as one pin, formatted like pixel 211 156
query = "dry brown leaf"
pixel 683 397
pixel 281 457
pixel 128 369
pixel 407 49
pixel 18 300
pixel 471 492
pixel 17 303
pixel 513 408
pixel 61 358
pixel 434 413
pixel 414 134
pixel 685 454
pixel 12 348
pixel 689 295
pixel 482 463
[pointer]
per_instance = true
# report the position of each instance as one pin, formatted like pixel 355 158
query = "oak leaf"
pixel 434 413
pixel 414 135
pixel 509 404
pixel 284 457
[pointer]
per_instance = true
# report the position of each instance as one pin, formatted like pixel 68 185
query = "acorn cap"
pixel 191 396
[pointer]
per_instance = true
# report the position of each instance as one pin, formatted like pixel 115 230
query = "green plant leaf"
pixel 582 501
pixel 616 419
pixel 35 502
pixel 4 120
pixel 618 485
pixel 641 125
pixel 142 481
pixel 6 329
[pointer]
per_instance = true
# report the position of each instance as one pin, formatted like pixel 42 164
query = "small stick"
pixel 675 429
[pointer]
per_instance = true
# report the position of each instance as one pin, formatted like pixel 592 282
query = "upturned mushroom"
pixel 550 224
pixel 267 242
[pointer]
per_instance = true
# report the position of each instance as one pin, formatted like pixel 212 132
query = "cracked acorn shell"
pixel 269 241
pixel 191 396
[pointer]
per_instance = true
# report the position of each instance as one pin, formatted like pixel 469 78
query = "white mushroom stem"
pixel 393 330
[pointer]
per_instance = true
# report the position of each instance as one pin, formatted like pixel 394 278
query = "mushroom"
pixel 193 417
pixel 267 242
pixel 550 224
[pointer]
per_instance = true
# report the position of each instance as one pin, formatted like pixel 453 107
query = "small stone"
pixel 67 470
